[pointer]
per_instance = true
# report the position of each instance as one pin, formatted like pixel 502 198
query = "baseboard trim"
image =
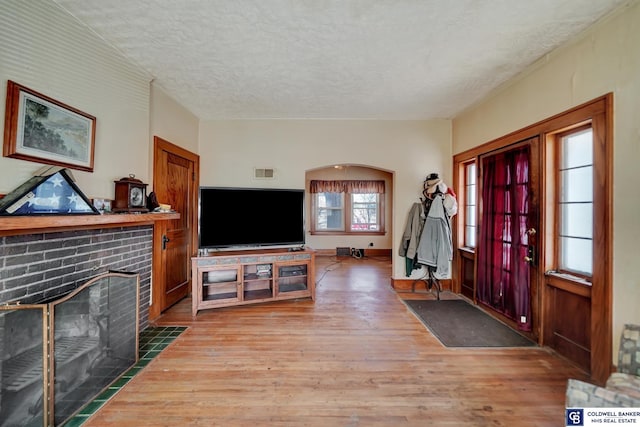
pixel 405 285
pixel 367 252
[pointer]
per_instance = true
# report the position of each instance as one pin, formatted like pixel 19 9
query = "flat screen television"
pixel 250 217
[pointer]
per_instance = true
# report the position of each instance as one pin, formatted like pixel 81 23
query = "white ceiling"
pixel 342 59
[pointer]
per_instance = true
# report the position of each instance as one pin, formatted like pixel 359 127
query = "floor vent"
pixel 343 251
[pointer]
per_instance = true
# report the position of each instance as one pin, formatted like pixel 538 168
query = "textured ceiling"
pixel 368 59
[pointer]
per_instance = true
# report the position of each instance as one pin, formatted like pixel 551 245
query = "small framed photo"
pixel 102 205
pixel 41 129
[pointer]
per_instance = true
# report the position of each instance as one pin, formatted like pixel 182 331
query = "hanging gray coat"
pixel 435 248
pixel 411 237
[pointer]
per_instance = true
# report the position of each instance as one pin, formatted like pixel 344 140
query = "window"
pixel 575 202
pixel 470 205
pixel 347 207
pixel 330 211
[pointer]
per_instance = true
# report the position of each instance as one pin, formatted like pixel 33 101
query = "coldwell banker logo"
pixel 574 417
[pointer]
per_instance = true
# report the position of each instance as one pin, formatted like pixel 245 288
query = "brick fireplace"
pixel 44 257
pixel 56 355
pixel 37 267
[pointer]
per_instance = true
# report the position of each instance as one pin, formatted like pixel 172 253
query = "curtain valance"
pixel 347 186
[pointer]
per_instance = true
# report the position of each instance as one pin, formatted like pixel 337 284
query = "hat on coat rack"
pixel 433 183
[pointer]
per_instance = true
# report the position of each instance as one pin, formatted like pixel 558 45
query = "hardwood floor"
pixel 355 357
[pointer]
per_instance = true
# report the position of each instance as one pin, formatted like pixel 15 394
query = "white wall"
pixel 45 49
pixel 230 150
pixel 172 122
pixel 606 59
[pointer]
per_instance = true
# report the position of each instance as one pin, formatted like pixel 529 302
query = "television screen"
pixel 250 217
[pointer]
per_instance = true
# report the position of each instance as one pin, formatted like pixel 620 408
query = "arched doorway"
pixel 348 234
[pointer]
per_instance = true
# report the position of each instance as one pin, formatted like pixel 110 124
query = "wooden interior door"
pixel 175 182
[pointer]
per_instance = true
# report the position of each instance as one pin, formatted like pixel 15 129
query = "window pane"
pixel 470 174
pixel 364 198
pixel 364 212
pixel 470 216
pixel 577 149
pixel 334 219
pixel 577 220
pixel 576 185
pixel 329 200
pixel 576 255
pixel 470 237
pixel 330 212
pixel 471 195
pixel 329 219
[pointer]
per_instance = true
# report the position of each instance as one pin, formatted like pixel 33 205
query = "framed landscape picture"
pixel 41 129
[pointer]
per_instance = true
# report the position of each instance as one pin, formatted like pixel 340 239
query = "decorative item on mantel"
pixel 131 195
pixel 51 190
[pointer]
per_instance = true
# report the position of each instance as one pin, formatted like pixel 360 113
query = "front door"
pixel 175 182
pixel 507 253
pixel 570 207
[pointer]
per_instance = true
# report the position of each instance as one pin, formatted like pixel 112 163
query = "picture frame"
pixel 102 205
pixel 40 129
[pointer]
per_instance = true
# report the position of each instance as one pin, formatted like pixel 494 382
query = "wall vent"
pixel 263 173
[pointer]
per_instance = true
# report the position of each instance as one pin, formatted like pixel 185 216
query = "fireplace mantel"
pixel 11 226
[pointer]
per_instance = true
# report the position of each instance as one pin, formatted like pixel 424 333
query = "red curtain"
pixel 503 273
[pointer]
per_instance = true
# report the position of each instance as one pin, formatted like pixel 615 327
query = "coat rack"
pixel 430 281
pixel 434 188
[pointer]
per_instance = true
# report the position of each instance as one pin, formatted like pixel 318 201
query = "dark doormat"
pixel 456 323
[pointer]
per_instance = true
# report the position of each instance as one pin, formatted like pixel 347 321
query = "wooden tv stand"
pixel 227 278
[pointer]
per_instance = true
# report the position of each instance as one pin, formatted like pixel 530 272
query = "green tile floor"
pixel 152 341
